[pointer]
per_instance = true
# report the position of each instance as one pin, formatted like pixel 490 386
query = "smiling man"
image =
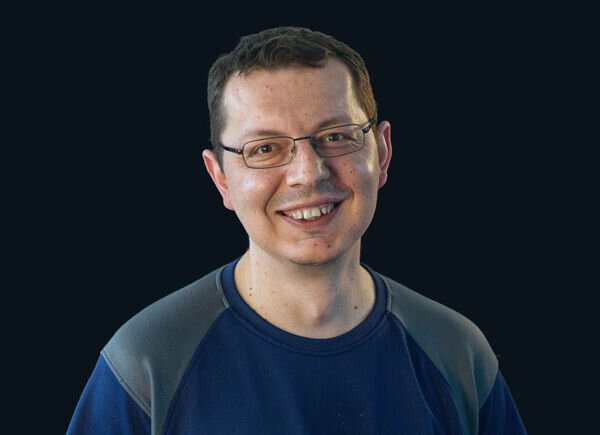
pixel 304 210
pixel 296 336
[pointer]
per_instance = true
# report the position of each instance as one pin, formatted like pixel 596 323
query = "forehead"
pixel 288 98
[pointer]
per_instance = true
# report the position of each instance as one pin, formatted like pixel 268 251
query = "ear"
pixel 384 149
pixel 218 176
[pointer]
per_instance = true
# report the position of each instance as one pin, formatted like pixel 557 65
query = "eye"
pixel 334 137
pixel 265 149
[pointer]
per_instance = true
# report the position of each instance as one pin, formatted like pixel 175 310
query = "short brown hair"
pixel 282 46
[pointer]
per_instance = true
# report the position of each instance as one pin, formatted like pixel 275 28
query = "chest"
pixel 244 385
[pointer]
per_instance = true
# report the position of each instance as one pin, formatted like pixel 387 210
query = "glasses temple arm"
pixel 369 125
pixel 233 150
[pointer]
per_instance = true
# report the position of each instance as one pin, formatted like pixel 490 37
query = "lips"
pixel 310 213
pixel 315 219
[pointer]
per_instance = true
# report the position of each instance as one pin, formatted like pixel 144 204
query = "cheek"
pixel 252 191
pixel 362 175
pixel 362 172
pixel 372 163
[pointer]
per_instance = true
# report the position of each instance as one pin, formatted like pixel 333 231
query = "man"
pixel 297 336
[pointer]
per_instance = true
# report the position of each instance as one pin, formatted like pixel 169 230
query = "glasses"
pixel 272 152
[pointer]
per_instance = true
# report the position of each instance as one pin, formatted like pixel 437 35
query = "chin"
pixel 314 261
pixel 318 255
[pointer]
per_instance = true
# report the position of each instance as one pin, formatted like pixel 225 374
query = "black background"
pixel 113 207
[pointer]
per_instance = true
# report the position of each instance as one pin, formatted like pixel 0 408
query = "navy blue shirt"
pixel 202 361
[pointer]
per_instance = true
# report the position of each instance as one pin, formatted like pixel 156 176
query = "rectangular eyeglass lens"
pixel 268 152
pixel 339 140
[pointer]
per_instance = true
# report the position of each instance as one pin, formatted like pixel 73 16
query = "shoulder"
pixel 151 351
pixel 454 344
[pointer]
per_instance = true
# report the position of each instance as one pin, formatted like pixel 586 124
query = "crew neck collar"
pixel 252 320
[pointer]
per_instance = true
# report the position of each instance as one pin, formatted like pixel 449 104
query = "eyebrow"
pixel 329 122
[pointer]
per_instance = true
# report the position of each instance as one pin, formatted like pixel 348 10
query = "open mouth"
pixel 311 213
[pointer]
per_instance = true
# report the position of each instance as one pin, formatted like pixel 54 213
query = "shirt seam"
pixel 489 390
pixel 326 353
pixel 200 348
pixel 138 400
pixel 435 366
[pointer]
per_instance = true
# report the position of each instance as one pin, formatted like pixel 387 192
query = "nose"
pixel 307 167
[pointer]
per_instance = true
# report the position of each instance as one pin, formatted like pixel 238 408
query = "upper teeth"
pixel 310 213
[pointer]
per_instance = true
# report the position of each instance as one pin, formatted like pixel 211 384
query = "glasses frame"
pixel 240 151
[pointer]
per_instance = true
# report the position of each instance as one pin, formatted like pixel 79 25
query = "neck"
pixel 315 301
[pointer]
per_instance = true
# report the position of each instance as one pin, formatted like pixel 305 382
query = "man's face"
pixel 297 101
